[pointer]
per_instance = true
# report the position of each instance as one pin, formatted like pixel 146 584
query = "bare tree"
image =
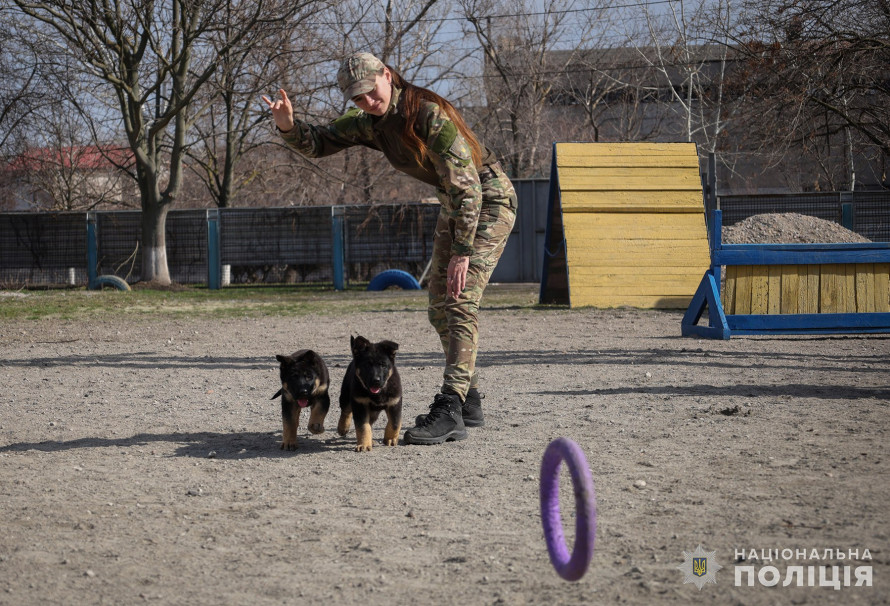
pixel 232 122
pixel 519 43
pixel 617 94
pixel 152 58
pixel 820 70
pixel 680 45
pixel 22 67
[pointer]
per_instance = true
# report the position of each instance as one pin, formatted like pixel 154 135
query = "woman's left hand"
pixel 457 275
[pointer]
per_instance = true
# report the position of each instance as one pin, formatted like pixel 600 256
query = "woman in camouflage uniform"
pixel 423 135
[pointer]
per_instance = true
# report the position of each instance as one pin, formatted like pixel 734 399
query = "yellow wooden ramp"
pixel 626 226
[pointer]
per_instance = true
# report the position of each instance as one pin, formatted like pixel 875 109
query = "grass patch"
pixel 80 304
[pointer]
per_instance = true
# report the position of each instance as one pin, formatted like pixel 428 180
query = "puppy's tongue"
pixel 375 390
pixel 303 402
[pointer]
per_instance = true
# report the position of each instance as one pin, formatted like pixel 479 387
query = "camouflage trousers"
pixel 456 320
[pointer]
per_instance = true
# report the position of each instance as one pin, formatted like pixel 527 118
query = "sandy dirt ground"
pixel 140 463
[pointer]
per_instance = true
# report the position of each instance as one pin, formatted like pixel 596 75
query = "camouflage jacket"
pixel 448 164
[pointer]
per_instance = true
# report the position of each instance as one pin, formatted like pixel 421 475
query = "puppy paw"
pixel 391 441
pixel 363 448
pixel 289 445
pixel 316 427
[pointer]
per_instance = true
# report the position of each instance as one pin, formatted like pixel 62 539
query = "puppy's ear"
pixel 389 348
pixel 277 393
pixel 283 359
pixel 358 344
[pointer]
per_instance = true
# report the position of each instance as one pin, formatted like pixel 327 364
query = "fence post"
pixel 338 241
pixel 214 267
pixel 710 187
pixel 847 215
pixel 92 251
pixel 712 180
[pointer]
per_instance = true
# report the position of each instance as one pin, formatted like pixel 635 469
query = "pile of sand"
pixel 788 228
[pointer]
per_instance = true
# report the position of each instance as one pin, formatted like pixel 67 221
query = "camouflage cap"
pixel 358 73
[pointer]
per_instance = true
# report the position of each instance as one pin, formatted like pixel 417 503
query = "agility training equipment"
pixel 110 281
pixel 393 277
pixel 625 225
pixel 791 289
pixel 559 450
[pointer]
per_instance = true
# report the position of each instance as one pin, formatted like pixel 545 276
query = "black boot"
pixel 471 411
pixel 443 423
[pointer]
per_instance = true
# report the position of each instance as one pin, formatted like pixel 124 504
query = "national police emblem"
pixel 699 567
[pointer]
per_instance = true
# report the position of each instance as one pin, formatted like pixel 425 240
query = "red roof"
pixel 82 157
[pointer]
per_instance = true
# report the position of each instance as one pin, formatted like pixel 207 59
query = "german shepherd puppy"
pixel 304 384
pixel 371 384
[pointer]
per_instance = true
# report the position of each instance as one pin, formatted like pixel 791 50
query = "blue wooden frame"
pixel 722 326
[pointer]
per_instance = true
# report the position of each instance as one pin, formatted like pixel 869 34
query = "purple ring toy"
pixel 570 568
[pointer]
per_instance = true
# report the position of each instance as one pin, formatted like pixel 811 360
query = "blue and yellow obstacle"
pixel 791 289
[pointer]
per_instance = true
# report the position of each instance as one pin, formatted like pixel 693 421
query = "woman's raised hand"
pixel 282 111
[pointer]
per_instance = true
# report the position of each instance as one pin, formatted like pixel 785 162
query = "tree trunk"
pixel 154 244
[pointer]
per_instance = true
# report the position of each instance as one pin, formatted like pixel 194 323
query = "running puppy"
pixel 304 384
pixel 371 384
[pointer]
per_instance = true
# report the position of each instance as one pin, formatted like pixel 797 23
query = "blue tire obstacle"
pixel 570 568
pixel 394 277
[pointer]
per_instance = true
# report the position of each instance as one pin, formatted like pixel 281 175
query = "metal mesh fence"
pixel 389 237
pixel 46 248
pixel 118 236
pixel 871 217
pixel 120 245
pixel 295 245
pixel 277 244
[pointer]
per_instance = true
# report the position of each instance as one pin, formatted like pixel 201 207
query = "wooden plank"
pixel 594 174
pixel 630 160
pixel 582 240
pixel 664 234
pixel 638 284
pixel 774 289
pixel 803 290
pixel 799 254
pixel 633 201
pixel 829 288
pixel 589 234
pixel 565 152
pixel 759 289
pixel 641 288
pixel 743 290
pixel 882 287
pixel 633 254
pixel 625 178
pixel 848 289
pixel 582 297
pixel 813 289
pixel 649 270
pixel 809 323
pixel 865 284
pixel 636 226
pixel 790 289
pixel 729 288
pixel 623 225
pixel 838 273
